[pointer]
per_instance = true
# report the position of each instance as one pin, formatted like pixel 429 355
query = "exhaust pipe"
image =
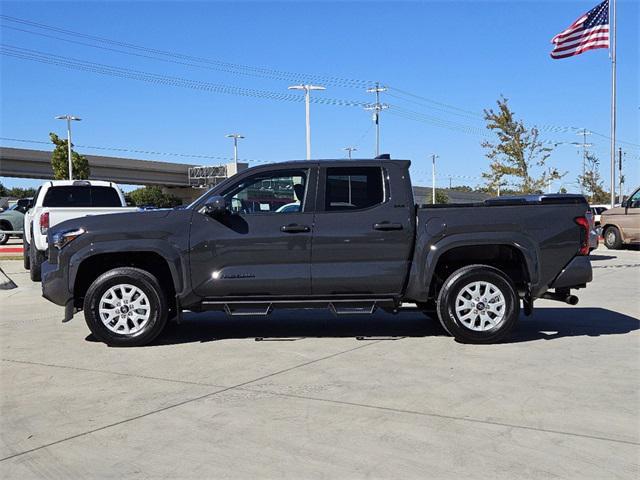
pixel 561 297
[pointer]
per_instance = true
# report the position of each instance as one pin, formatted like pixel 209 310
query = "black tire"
pixel 25 254
pixel 4 237
pixel 451 320
pixel 36 257
pixel 157 302
pixel 612 238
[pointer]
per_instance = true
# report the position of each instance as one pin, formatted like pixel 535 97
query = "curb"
pixel 5 282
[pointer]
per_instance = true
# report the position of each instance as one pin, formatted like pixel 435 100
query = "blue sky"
pixel 459 56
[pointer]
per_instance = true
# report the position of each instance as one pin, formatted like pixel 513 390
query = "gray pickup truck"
pixel 342 235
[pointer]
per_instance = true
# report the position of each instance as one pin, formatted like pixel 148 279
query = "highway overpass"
pixel 27 163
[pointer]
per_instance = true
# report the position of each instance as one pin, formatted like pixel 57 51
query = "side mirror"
pixel 216 206
pixel 624 204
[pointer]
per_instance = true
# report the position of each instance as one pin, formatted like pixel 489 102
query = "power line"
pixel 122 72
pixel 194 60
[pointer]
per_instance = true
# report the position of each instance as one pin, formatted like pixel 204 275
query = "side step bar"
pixel 264 307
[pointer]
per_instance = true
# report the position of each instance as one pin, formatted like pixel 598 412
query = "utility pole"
pixel 449 182
pixel 69 118
pixel 349 150
pixel 584 132
pixel 235 137
pixel 620 179
pixel 307 89
pixel 377 108
pixel 433 177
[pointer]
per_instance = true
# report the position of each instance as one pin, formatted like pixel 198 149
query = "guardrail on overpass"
pixel 27 163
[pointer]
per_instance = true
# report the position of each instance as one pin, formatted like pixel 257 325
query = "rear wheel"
pixel 125 307
pixel 478 304
pixel 612 238
pixel 4 237
pixel 25 253
pixel 36 258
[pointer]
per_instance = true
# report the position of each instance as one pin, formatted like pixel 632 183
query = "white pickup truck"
pixel 60 200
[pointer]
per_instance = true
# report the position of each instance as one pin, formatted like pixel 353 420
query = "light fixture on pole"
pixel 377 108
pixel 68 118
pixel 307 89
pixel 349 150
pixel 433 178
pixel 235 137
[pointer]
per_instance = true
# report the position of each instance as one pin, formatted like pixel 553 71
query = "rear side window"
pixel 353 188
pixel 75 196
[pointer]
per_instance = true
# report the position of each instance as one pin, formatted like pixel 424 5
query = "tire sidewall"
pixel 452 287
pixel 140 279
pixel 612 231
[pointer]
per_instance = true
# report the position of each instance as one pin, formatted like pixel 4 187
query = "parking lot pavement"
pixel 317 396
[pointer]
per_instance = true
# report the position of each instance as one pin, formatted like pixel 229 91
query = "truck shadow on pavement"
pixel 292 325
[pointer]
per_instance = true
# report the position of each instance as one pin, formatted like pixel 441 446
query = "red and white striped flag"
pixel 588 32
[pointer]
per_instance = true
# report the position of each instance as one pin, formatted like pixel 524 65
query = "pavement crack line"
pixel 108 372
pixel 443 416
pixel 185 402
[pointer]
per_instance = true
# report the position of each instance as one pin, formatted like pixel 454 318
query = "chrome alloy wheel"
pixel 124 309
pixel 611 237
pixel 480 306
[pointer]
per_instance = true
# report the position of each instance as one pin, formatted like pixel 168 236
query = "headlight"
pixel 60 239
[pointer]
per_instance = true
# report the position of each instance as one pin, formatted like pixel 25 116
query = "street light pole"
pixel 235 137
pixel 349 150
pixel 307 100
pixel 68 118
pixel 433 178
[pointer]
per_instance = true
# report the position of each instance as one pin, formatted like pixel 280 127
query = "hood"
pixel 113 221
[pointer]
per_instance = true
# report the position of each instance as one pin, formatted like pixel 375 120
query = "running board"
pixel 264 308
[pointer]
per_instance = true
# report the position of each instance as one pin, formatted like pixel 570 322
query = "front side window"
pixel 353 188
pixel 634 201
pixel 270 192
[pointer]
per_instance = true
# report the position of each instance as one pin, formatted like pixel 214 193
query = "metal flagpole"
pixel 612 23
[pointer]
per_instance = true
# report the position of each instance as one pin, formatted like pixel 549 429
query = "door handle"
pixel 295 228
pixel 385 226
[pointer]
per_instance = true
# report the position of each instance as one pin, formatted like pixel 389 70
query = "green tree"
pixel 517 152
pixel 441 197
pixel 591 182
pixel 3 190
pixel 60 160
pixel 18 192
pixel 152 196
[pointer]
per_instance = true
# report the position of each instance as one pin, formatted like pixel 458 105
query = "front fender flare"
pixel 169 253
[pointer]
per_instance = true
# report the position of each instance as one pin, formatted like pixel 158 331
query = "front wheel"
pixel 125 307
pixel 478 304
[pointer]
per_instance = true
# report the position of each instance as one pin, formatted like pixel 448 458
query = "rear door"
pixel 363 231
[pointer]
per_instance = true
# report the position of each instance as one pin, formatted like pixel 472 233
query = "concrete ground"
pixel 320 397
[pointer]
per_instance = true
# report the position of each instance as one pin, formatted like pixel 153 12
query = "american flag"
pixel 589 31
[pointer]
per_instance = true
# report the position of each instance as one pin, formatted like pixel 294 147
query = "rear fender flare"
pixel 429 252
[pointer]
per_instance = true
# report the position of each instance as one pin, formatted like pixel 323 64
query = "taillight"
pixel 584 235
pixel 44 223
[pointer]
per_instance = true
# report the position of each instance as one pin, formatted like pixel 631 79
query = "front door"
pixel 362 240
pixel 631 221
pixel 263 246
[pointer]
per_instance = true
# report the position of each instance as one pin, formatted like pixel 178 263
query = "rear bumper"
pixel 576 274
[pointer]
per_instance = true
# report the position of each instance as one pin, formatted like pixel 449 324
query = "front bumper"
pixel 576 274
pixel 55 285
